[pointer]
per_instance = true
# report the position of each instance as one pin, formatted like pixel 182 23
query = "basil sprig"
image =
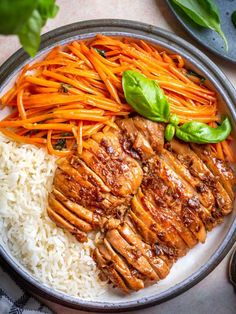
pixel 204 13
pixel 233 18
pixel 25 18
pixel 143 95
pixel 201 133
pixel 148 99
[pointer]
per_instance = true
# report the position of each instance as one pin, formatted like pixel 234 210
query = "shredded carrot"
pixel 53 151
pixel 228 151
pixel 76 91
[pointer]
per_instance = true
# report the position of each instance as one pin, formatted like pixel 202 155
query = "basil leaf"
pixel 204 13
pixel 201 133
pixel 169 132
pixel 174 119
pixel 145 96
pixel 47 9
pixel 29 34
pixel 14 13
pixel 233 18
pixel 26 18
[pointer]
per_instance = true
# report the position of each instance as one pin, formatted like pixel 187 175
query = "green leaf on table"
pixel 233 18
pixel 204 13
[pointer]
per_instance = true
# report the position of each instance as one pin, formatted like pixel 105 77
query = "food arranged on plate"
pixel 138 158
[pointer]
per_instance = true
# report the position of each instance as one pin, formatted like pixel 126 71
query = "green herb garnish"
pixel 192 73
pixel 60 144
pixel 101 52
pixel 64 88
pixel 66 134
pixel 204 13
pixel 169 132
pixel 201 133
pixel 148 99
pixel 233 18
pixel 26 18
pixel 143 95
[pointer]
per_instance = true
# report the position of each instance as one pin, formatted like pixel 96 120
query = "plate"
pixel 208 38
pixel 201 260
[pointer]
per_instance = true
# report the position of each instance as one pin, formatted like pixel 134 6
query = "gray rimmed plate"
pixel 208 38
pixel 201 260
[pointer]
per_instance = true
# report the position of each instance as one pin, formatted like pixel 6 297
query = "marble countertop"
pixel 214 293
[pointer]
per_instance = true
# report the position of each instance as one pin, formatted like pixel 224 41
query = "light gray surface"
pixel 214 295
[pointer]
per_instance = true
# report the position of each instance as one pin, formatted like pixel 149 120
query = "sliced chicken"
pixel 218 167
pixel 109 271
pixel 127 273
pixel 165 232
pixel 131 253
pixel 161 209
pixel 121 173
pixel 189 205
pixel 62 223
pixel 158 264
pixel 67 215
pixel 90 197
pixel 198 169
pixel 133 141
pixel 151 201
pixel 142 136
pixel 80 211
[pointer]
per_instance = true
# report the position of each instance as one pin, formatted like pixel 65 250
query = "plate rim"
pixel 64 32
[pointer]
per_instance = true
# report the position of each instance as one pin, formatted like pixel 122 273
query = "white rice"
pixel 51 254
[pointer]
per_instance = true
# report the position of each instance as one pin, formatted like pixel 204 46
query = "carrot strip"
pixel 23 139
pixel 219 151
pixel 20 104
pixel 53 151
pixel 72 82
pixel 227 151
pixel 75 48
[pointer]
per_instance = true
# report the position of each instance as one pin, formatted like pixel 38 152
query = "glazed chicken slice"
pixel 160 207
pixel 64 224
pixel 133 141
pixel 218 167
pixel 131 253
pixel 105 156
pixel 117 262
pixel 99 183
pixel 206 200
pixel 204 193
pixel 151 201
pixel 165 232
pixel 127 230
pixel 90 197
pixel 198 169
pixel 153 132
pixel 109 271
pixel 189 205
pixel 142 137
